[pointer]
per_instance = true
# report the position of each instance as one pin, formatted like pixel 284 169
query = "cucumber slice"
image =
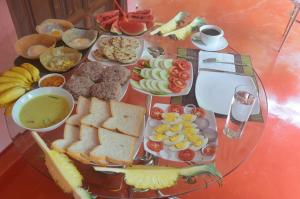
pixel 146 73
pixel 143 85
pixel 168 63
pixel 155 86
pixel 161 64
pixel 155 74
pixel 135 84
pixel 142 73
pixel 163 86
pixel 151 63
pixel 164 75
pixel 148 85
pixel 156 62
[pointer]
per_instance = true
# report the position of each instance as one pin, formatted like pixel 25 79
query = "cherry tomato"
pixel 186 155
pixel 183 65
pixel 174 71
pixel 209 150
pixel 174 88
pixel 155 146
pixel 179 83
pixel 143 63
pixel 136 76
pixel 198 111
pixel 184 75
pixel 156 113
pixel 176 108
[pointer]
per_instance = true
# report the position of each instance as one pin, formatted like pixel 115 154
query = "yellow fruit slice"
pixel 23 71
pixel 11 95
pixel 13 74
pixel 35 73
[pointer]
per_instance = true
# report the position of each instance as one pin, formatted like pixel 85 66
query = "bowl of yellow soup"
pixel 43 109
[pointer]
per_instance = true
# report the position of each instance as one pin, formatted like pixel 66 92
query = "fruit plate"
pixel 205 128
pixel 139 51
pixel 158 84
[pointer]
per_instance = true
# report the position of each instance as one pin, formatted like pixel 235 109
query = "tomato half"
pixel 174 71
pixel 156 113
pixel 155 146
pixel 136 76
pixel 209 150
pixel 143 63
pixel 183 65
pixel 186 155
pixel 200 112
pixel 179 83
pixel 176 108
pixel 174 88
pixel 184 75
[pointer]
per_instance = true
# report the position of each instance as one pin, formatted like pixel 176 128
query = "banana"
pixel 13 74
pixel 5 86
pixel 35 73
pixel 11 95
pixel 4 79
pixel 23 71
pixel 8 108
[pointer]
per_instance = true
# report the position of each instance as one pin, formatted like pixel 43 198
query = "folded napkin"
pixel 222 57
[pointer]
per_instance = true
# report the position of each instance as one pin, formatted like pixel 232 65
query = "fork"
pixel 214 60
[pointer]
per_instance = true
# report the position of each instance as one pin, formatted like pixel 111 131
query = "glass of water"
pixel 240 109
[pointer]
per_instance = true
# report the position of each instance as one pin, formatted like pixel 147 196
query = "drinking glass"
pixel 240 109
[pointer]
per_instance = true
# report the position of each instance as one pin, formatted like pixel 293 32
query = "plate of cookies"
pixel 113 50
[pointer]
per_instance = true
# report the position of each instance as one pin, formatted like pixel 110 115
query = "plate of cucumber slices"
pixel 162 77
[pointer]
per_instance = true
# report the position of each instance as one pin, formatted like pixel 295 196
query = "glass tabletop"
pixel 229 156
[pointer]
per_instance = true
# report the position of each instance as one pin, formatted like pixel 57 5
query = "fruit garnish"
pixel 159 177
pixel 186 155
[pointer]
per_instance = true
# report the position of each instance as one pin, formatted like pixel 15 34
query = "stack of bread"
pixel 102 132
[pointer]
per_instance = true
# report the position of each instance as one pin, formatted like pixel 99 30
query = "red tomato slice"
pixel 183 65
pixel 156 113
pixel 155 146
pixel 198 111
pixel 172 78
pixel 184 75
pixel 186 155
pixel 174 71
pixel 179 83
pixel 143 63
pixel 136 76
pixel 174 88
pixel 176 108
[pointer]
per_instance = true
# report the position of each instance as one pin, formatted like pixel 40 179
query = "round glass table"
pixel 229 155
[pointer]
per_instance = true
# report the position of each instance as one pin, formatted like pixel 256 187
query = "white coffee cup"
pixel 210 35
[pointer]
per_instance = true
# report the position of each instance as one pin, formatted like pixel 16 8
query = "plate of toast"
pixel 116 50
pixel 103 133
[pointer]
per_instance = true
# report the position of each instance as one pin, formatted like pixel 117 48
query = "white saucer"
pixel 220 46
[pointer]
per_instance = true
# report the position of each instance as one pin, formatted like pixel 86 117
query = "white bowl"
pixel 50 75
pixel 39 92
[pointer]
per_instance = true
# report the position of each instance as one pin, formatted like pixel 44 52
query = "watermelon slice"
pixel 132 28
pixel 115 28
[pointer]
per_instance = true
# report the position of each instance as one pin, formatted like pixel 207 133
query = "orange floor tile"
pixel 252 27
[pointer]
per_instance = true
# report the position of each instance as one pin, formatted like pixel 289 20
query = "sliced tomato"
pixel 182 64
pixel 143 63
pixel 155 146
pixel 174 88
pixel 186 155
pixel 136 76
pixel 179 83
pixel 156 113
pixel 184 75
pixel 200 112
pixel 174 71
pixel 175 108
pixel 209 150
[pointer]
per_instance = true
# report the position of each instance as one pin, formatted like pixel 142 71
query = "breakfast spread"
pixel 162 76
pixel 119 49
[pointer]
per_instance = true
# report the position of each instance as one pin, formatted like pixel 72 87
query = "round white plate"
pixel 220 46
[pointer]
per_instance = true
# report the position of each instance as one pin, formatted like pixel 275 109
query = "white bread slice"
pixel 71 135
pixel 99 112
pixel 126 118
pixel 82 109
pixel 115 148
pixel 88 140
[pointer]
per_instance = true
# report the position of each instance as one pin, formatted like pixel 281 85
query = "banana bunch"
pixel 15 82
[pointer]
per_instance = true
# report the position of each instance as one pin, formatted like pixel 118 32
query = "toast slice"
pixel 71 135
pixel 82 109
pixel 88 140
pixel 126 118
pixel 99 112
pixel 115 148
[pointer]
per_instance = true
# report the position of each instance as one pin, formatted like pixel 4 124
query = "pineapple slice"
pixel 159 177
pixel 170 25
pixel 184 32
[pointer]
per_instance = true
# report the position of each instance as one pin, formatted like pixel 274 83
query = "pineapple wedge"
pixel 170 25
pixel 63 171
pixel 184 32
pixel 159 177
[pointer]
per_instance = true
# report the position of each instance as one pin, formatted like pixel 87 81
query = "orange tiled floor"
pixel 252 27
